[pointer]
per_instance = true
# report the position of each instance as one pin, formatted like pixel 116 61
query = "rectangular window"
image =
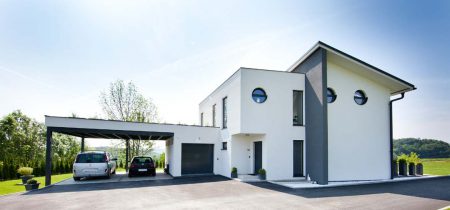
pixel 201 119
pixel 224 145
pixel 298 158
pixel 224 113
pixel 214 115
pixel 297 116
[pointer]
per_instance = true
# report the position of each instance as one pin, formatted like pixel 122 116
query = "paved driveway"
pixel 119 177
pixel 220 193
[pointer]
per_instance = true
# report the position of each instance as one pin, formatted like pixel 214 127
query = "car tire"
pixel 76 178
pixel 108 176
pixel 129 175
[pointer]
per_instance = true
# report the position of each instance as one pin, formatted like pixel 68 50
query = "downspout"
pixel 392 134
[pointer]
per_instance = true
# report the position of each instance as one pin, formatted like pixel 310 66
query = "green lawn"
pixel 12 186
pixel 437 166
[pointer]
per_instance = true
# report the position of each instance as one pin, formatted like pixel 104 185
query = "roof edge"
pixel 325 46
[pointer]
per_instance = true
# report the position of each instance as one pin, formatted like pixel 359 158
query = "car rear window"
pixel 142 160
pixel 91 158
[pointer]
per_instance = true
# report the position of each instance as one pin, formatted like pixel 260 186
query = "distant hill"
pixel 425 148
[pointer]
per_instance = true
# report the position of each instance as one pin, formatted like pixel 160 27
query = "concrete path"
pixel 217 192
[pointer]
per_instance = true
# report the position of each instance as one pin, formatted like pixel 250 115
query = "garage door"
pixel 197 159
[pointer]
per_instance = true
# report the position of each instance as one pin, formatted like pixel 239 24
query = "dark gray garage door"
pixel 197 159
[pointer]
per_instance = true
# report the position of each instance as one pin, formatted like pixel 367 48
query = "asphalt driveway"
pixel 217 192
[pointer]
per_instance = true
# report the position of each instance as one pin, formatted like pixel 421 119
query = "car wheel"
pixel 109 174
pixel 76 178
pixel 129 175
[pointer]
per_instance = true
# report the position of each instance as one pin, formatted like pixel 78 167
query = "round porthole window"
pixel 331 95
pixel 360 97
pixel 259 95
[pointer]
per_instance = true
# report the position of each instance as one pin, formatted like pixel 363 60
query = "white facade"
pixel 357 134
pixel 355 144
pixel 248 121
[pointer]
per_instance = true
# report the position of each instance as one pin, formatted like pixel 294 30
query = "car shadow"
pixel 127 184
pixel 433 188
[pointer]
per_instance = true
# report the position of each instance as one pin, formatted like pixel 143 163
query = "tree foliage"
pixel 22 143
pixel 124 102
pixel 425 148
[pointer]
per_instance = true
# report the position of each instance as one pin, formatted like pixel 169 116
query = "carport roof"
pixel 110 129
pixel 112 134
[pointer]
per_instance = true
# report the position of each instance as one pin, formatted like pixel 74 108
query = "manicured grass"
pixel 437 166
pixel 13 186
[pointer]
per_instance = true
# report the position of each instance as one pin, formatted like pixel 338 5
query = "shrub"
pixel 32 181
pixel 262 171
pixel 402 157
pixel 25 171
pixel 234 170
pixel 413 158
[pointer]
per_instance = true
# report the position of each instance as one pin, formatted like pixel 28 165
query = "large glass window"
pixel 259 95
pixel 214 115
pixel 360 97
pixel 298 108
pixel 224 112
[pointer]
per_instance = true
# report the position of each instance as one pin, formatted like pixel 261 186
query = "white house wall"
pixel 273 118
pixel 358 135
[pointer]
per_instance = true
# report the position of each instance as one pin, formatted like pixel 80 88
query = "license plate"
pixel 140 170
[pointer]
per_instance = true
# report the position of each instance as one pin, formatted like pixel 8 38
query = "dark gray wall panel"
pixel 316 126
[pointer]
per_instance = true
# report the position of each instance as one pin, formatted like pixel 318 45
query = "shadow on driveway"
pixel 129 184
pixel 434 188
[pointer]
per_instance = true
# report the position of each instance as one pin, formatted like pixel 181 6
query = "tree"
pixel 425 148
pixel 124 102
pixel 22 143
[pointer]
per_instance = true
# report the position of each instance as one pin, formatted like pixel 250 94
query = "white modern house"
pixel 327 118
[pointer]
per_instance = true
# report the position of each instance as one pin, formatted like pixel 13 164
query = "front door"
pixel 298 158
pixel 258 155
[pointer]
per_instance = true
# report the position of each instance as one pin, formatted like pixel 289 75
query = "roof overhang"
pixel 395 84
pixel 109 129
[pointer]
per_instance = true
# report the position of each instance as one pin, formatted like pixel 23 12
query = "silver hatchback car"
pixel 94 164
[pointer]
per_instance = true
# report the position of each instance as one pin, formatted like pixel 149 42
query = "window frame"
pixel 224 145
pixel 201 119
pixel 265 95
pixel 214 115
pixel 301 122
pixel 225 112
pixel 333 93
pixel 364 97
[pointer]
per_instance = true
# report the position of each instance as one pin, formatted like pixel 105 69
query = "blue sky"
pixel 56 56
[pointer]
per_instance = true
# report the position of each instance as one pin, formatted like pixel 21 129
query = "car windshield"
pixel 91 158
pixel 142 160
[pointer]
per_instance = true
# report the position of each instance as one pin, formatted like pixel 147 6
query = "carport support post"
pixel 82 144
pixel 127 148
pixel 48 158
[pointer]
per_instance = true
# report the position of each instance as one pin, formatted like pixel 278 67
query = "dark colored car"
pixel 142 166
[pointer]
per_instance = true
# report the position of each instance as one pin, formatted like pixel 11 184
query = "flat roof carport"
pixel 98 129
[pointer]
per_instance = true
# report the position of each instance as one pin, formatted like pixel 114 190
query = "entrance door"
pixel 197 159
pixel 298 158
pixel 258 155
